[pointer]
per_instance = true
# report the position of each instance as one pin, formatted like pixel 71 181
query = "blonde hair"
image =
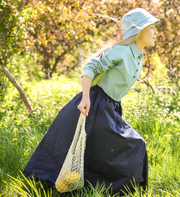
pixel 110 44
pixel 127 41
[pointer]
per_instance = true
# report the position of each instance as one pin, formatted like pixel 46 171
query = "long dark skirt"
pixel 115 153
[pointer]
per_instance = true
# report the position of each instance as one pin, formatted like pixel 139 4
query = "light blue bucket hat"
pixel 136 20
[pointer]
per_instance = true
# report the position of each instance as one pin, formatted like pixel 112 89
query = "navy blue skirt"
pixel 115 153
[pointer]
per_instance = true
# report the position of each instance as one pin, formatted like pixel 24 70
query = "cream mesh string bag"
pixel 71 176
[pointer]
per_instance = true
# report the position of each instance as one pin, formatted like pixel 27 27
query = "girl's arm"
pixel 98 65
pixel 84 105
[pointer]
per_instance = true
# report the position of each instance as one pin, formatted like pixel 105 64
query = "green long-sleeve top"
pixel 122 64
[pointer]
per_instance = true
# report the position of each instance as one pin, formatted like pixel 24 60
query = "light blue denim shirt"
pixel 122 64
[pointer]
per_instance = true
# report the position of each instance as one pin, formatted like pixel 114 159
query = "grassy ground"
pixel 155 117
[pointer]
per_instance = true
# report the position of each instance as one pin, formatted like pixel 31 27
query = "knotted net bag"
pixel 71 176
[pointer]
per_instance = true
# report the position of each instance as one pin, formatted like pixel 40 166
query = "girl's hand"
pixel 84 106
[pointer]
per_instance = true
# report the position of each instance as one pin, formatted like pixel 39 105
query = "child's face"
pixel 147 36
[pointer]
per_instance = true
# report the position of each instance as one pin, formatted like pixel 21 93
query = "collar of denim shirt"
pixel 135 51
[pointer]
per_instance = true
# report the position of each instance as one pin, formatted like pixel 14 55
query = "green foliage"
pixel 57 30
pixel 157 119
pixel 59 33
pixel 168 42
pixel 11 29
pixel 11 37
pixel 31 188
pixel 158 72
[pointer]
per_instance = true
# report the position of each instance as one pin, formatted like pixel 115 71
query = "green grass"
pixel 155 117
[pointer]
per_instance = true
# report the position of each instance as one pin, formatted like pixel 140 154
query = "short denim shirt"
pixel 122 64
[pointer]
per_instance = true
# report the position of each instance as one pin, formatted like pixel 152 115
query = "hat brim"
pixel 139 27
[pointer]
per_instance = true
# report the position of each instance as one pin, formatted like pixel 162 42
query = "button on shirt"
pixel 122 64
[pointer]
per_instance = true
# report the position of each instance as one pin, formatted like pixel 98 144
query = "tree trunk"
pixel 18 87
pixel 46 65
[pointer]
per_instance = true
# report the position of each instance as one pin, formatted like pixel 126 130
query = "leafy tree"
pixel 11 35
pixel 168 46
pixel 9 30
pixel 58 29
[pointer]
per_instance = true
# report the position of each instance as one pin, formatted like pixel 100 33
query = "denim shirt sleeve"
pixel 104 62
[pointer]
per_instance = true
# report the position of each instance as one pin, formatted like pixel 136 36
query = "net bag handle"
pixel 80 130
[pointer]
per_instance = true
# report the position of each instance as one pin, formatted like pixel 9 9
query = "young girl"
pixel 115 153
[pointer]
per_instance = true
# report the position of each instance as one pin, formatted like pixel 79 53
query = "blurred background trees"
pixel 53 36
pixel 42 39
